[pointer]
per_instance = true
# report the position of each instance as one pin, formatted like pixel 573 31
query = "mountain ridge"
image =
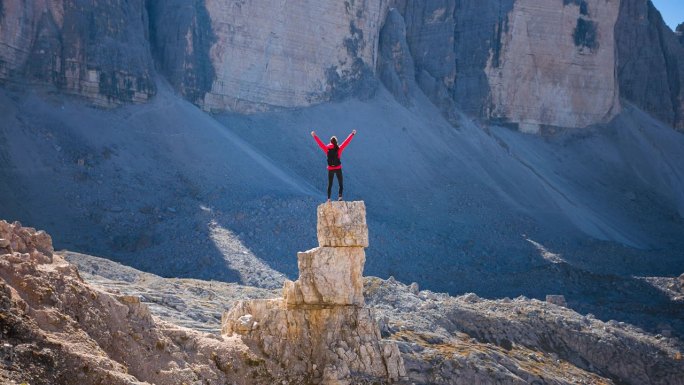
pixel 298 55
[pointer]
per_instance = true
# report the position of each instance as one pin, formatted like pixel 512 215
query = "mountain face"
pixel 249 56
pixel 565 63
pixel 519 62
pixel 650 62
pixel 98 49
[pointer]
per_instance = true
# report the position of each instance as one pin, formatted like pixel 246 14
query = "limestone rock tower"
pixel 320 332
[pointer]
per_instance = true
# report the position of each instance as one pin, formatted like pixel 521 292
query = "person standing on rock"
pixel 334 153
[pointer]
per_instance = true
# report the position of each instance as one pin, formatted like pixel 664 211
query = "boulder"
pixel 328 276
pixel 332 345
pixel 557 300
pixel 342 224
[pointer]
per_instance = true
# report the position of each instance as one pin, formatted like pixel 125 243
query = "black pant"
pixel 340 179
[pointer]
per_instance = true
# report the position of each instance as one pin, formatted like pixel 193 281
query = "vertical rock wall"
pixel 95 49
pixel 529 63
pixel 291 54
pixel 650 62
pixel 556 65
pixel 181 36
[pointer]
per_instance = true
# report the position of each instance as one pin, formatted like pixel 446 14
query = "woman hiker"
pixel 334 152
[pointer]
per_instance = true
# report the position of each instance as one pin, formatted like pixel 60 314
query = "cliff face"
pixel 555 66
pixel 532 65
pixel 94 49
pixel 250 56
pixel 650 62
pixel 519 62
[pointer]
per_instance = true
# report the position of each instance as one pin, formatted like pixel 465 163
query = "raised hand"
pixel 313 133
pixel 353 132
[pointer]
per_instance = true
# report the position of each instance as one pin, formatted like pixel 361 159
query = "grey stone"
pixel 556 300
pixel 93 49
pixel 395 64
pixel 650 62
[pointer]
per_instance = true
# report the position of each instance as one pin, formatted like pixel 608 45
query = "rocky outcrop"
pixel 520 62
pixel 320 330
pixel 94 49
pixel 57 330
pixel 650 62
pixel 327 275
pixel 467 339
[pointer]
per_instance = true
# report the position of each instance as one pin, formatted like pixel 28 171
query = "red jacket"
pixel 331 146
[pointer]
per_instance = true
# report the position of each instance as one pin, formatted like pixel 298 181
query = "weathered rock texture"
pixel 395 64
pixel 523 62
pixel 650 62
pixel 556 65
pixel 527 63
pixel 342 224
pixel 320 330
pixel 443 339
pixel 250 56
pixel 95 49
pixel 469 340
pixel 181 37
pixel 56 329
pixel 328 275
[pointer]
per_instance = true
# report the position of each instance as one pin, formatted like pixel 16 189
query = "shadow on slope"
pixel 169 189
pixel 141 184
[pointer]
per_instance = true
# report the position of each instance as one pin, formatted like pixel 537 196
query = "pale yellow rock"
pixel 283 53
pixel 329 344
pixel 328 276
pixel 541 77
pixel 320 329
pixel 342 224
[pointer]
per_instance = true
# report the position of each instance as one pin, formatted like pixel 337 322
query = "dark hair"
pixel 333 140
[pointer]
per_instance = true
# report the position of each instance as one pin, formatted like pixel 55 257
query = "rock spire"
pixel 320 329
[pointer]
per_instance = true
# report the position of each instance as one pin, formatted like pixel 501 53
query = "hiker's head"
pixel 333 140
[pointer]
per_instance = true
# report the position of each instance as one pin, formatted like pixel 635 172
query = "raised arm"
pixel 346 141
pixel 320 144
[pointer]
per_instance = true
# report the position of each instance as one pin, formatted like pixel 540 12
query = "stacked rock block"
pixel 320 331
pixel 332 274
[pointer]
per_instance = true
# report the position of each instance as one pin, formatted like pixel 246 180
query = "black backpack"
pixel 333 157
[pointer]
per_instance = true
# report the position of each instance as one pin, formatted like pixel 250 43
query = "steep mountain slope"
pixel 169 189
